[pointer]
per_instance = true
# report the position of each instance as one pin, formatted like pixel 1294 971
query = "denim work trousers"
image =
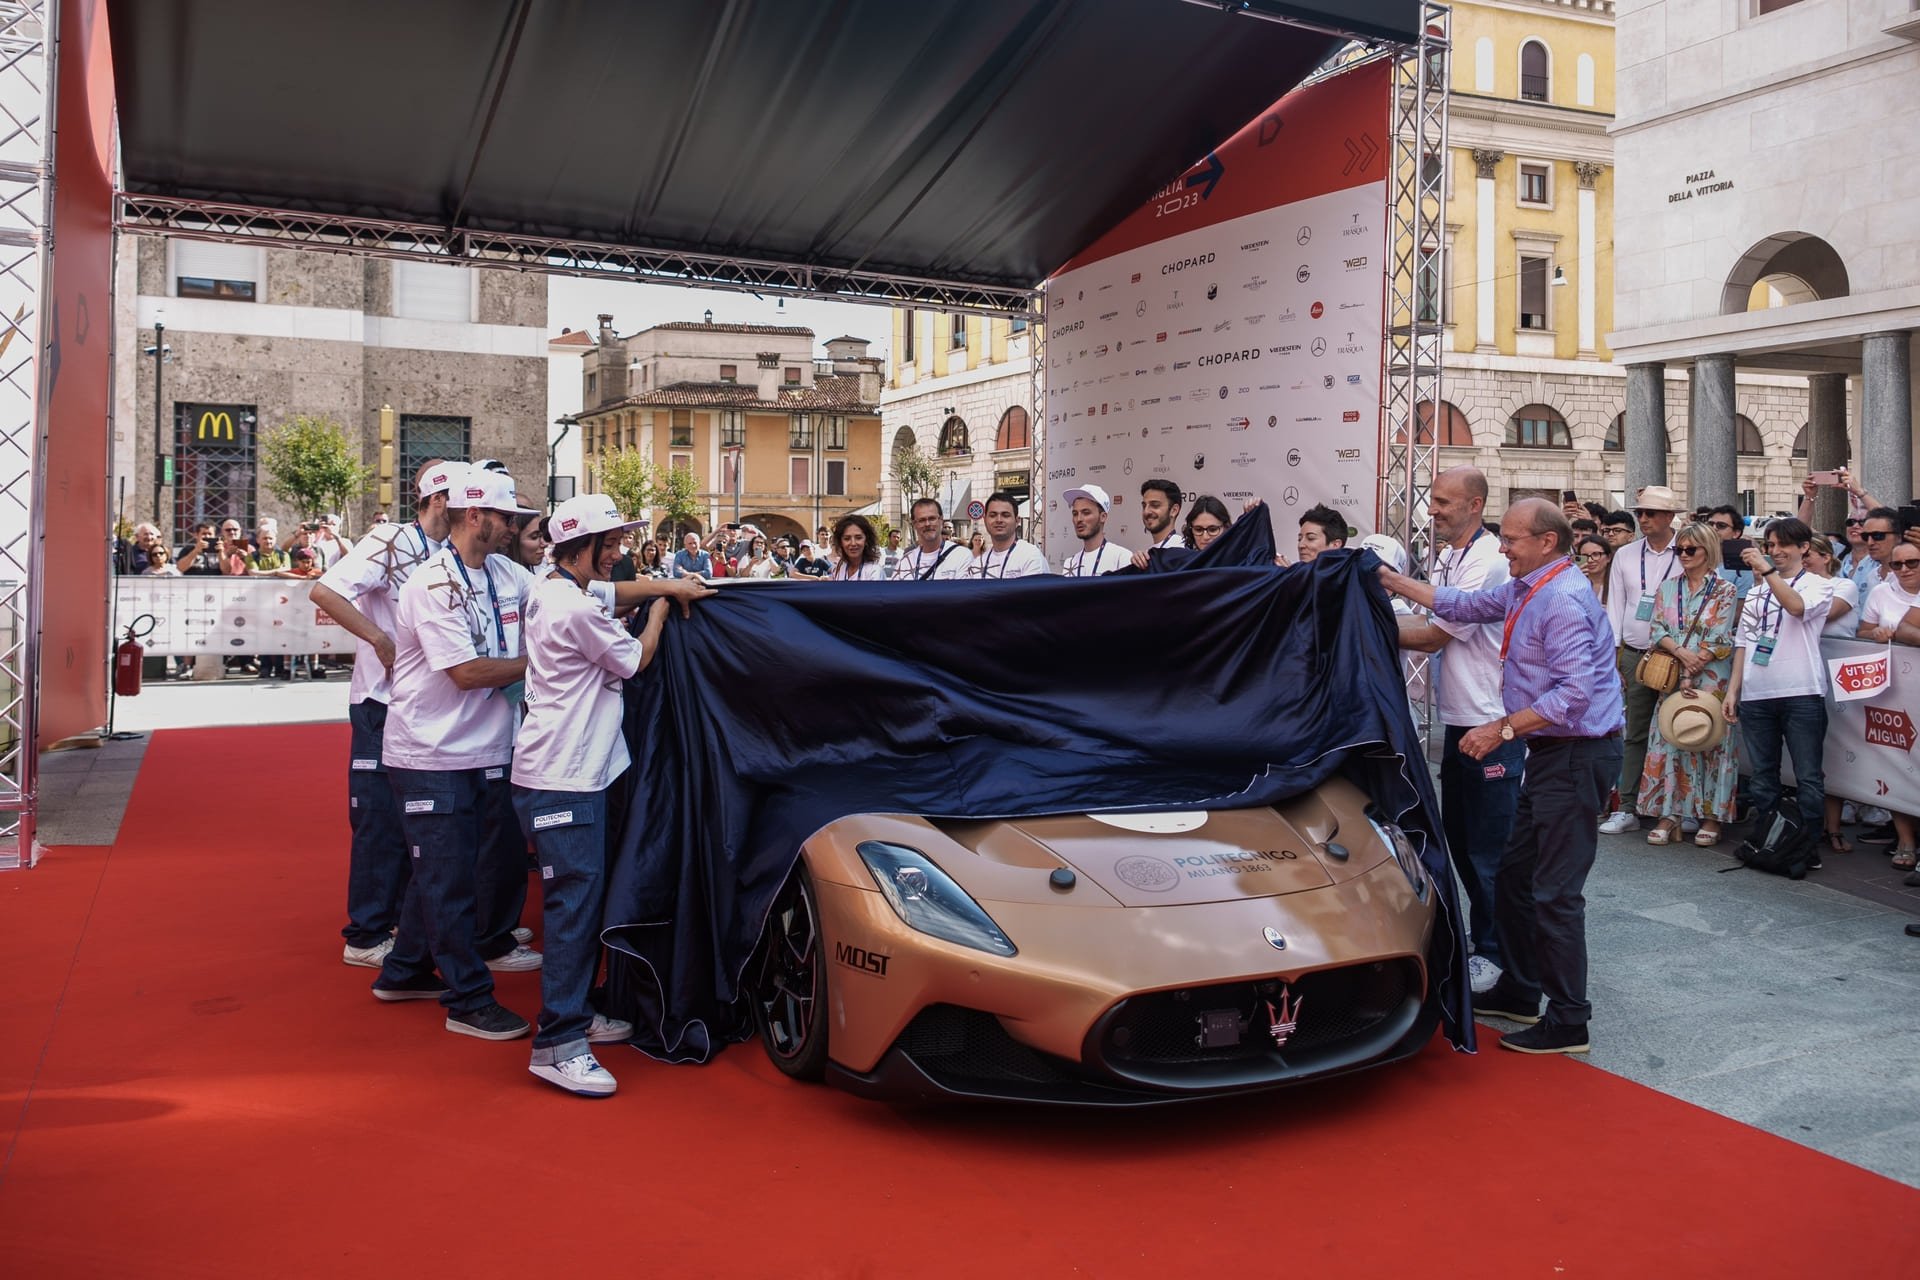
pixel 1477 800
pixel 500 878
pixel 1641 704
pixel 377 864
pixel 1539 903
pixel 1800 723
pixel 440 813
pixel 569 834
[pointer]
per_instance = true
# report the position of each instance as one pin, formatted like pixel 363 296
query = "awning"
pixel 976 142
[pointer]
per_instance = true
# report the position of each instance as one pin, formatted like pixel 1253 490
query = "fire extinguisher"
pixel 128 657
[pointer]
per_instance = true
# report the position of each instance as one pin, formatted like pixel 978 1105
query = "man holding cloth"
pixel 1638 570
pixel 1560 688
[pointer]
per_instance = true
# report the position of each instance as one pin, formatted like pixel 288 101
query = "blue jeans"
pixel 1801 723
pixel 1477 800
pixel 378 868
pixel 569 834
pixel 1540 903
pixel 500 878
pixel 440 813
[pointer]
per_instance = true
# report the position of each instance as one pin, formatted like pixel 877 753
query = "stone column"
pixel 1712 475
pixel 1645 437
pixel 1589 275
pixel 1486 268
pixel 1827 444
pixel 1886 417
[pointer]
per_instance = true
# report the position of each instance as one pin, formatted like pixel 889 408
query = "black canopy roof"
pixel 979 142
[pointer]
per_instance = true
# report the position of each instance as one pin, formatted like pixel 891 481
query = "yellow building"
pixel 960 388
pixel 791 441
pixel 1531 394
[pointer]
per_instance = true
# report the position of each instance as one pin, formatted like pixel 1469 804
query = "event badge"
pixel 516 693
pixel 1645 612
pixel 1763 650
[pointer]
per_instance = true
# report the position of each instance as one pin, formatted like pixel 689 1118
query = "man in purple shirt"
pixel 1560 684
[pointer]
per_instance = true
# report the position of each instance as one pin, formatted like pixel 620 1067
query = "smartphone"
pixel 1732 551
pixel 1830 479
pixel 1568 495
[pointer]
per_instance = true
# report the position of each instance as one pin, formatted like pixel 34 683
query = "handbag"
pixel 1661 671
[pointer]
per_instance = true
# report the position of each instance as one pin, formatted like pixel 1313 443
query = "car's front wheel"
pixel 790 982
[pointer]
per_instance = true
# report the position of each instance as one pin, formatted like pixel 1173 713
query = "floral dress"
pixel 1694 784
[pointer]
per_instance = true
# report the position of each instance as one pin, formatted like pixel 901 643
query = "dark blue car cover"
pixel 1216 680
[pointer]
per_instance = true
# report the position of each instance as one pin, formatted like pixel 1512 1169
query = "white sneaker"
pixel 368 957
pixel 607 1030
pixel 582 1075
pixel 1482 973
pixel 1689 825
pixel 523 934
pixel 1849 814
pixel 518 960
pixel 1874 816
pixel 1621 821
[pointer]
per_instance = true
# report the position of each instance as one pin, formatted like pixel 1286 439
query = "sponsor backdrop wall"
pixel 234 616
pixel 1227 336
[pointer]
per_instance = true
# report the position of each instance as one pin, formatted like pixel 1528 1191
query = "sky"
pixel 573 303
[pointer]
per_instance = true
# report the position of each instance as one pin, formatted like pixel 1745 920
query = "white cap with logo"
pixel 587 514
pixel 441 477
pixel 1092 493
pixel 490 491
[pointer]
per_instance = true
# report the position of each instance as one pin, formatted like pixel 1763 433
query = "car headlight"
pixel 1404 854
pixel 924 896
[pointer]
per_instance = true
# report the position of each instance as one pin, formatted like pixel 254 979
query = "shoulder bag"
pixel 1661 671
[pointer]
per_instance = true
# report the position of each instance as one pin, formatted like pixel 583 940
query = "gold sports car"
pixel 1112 959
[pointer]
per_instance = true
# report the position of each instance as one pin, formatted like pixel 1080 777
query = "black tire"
pixel 789 990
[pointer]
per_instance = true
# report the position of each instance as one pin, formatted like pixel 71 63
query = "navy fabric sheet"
pixel 1219 681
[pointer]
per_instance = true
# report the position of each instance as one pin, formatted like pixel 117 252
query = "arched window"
pixel 1455 431
pixel 1800 442
pixel 1536 426
pixel 1746 437
pixel 953 437
pixel 1015 431
pixel 1535 72
pixel 1617 435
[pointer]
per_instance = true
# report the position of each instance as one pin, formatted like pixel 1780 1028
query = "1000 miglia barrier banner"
pixel 199 615
pixel 1227 335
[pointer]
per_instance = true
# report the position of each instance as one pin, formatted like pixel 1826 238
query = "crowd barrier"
pixel 209 615
pixel 1873 724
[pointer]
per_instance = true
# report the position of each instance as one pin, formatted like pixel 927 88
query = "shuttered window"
pixel 431 291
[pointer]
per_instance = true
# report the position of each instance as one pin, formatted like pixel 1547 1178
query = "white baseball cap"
pixel 490 491
pixel 441 477
pixel 586 514
pixel 1092 493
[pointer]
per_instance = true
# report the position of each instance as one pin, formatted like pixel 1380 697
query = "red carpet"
pixel 219 1096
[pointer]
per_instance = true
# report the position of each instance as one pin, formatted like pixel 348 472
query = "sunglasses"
pixel 1855 524
pixel 1692 551
pixel 1644 512
pixel 1905 564
pixel 1874 535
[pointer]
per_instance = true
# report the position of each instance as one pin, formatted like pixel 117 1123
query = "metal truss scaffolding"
pixel 1416 241
pixel 375 238
pixel 26 212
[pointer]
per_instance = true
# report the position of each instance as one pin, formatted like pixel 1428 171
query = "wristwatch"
pixel 1506 729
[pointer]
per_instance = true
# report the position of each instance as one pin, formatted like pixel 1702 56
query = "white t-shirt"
pixel 914 565
pixel 1173 539
pixel 1887 605
pixel 1021 560
pixel 1638 571
pixel 577 655
pixel 868 571
pixel 1109 557
pixel 1846 626
pixel 1794 668
pixel 1470 664
pixel 450 614
pixel 369 577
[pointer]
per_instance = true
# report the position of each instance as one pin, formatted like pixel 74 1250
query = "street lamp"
pixel 162 464
pixel 737 451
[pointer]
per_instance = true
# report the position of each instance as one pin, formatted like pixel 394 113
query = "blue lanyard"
pixel 1450 567
pixel 1080 565
pixel 986 570
pixel 426 547
pixel 499 624
pixel 1772 599
pixel 1665 574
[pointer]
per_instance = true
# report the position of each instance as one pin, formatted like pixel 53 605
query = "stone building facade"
pixel 255 336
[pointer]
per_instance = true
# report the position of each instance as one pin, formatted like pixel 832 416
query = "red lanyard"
pixel 1507 637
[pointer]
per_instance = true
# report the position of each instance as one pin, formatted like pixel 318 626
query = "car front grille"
pixel 965 1048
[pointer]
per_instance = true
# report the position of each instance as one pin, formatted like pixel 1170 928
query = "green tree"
pixel 311 465
pixel 676 491
pixel 917 474
pixel 626 476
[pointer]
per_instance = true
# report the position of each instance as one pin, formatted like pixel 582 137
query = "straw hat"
pixel 1692 721
pixel 1657 497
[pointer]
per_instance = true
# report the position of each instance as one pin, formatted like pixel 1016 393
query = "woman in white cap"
pixel 569 751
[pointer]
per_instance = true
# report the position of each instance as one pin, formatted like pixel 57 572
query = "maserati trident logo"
pixel 1274 938
pixel 1283 1021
